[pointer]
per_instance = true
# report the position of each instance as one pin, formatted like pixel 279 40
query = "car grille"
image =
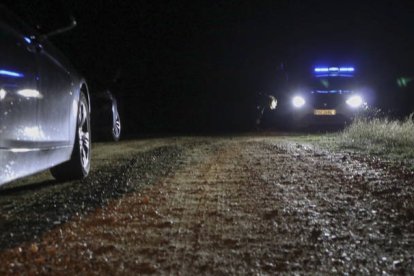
pixel 326 101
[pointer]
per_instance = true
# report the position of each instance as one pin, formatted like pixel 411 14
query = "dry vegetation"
pixel 383 137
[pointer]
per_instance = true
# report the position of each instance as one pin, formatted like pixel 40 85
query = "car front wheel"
pixel 79 163
pixel 116 129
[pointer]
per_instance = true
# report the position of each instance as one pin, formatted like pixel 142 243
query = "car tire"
pixel 116 128
pixel 79 163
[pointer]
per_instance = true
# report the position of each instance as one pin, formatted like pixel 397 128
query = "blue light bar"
pixel 11 74
pixel 334 69
pixel 321 70
pixel 332 91
pixel 346 69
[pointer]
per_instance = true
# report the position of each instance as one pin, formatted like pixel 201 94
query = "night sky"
pixel 198 65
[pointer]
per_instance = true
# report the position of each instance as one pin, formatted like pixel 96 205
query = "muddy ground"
pixel 232 205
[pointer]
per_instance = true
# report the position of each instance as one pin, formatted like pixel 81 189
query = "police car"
pixel 331 95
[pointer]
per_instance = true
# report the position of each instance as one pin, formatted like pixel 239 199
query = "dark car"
pixel 331 96
pixel 44 106
pixel 105 119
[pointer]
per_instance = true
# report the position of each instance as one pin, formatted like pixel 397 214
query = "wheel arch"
pixel 84 89
pixel 80 87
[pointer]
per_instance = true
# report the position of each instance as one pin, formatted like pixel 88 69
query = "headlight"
pixel 298 101
pixel 355 101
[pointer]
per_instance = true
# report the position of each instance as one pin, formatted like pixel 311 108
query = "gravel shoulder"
pixel 234 205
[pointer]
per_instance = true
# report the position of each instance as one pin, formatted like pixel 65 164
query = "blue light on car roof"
pixel 346 69
pixel 11 73
pixel 334 69
pixel 331 91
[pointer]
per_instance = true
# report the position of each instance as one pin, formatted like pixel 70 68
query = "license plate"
pixel 324 112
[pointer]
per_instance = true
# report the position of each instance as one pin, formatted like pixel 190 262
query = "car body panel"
pixel 325 95
pixel 18 121
pixel 326 109
pixel 39 95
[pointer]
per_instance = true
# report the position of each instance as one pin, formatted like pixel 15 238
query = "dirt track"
pixel 240 205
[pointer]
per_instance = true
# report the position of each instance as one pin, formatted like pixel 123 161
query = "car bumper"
pixel 326 116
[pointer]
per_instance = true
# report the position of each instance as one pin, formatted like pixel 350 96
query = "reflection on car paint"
pixel 3 94
pixel 30 93
pixel 11 73
pixel 32 133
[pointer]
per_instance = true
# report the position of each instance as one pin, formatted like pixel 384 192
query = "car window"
pixel 14 20
pixel 48 15
pixel 330 83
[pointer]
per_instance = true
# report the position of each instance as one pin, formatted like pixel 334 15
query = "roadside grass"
pixel 378 136
pixel 375 136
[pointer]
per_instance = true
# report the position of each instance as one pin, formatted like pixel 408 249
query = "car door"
pixel 19 94
pixel 56 85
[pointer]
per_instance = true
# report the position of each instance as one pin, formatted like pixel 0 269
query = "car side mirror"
pixel 72 25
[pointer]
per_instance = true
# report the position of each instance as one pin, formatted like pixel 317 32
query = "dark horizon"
pixel 197 65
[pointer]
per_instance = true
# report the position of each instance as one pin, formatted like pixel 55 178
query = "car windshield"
pixel 332 83
pixel 14 20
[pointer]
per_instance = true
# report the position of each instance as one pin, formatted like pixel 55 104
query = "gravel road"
pixel 214 206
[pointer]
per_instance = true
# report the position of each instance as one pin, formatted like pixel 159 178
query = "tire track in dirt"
pixel 207 203
pixel 223 227
pixel 237 206
pixel 354 227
